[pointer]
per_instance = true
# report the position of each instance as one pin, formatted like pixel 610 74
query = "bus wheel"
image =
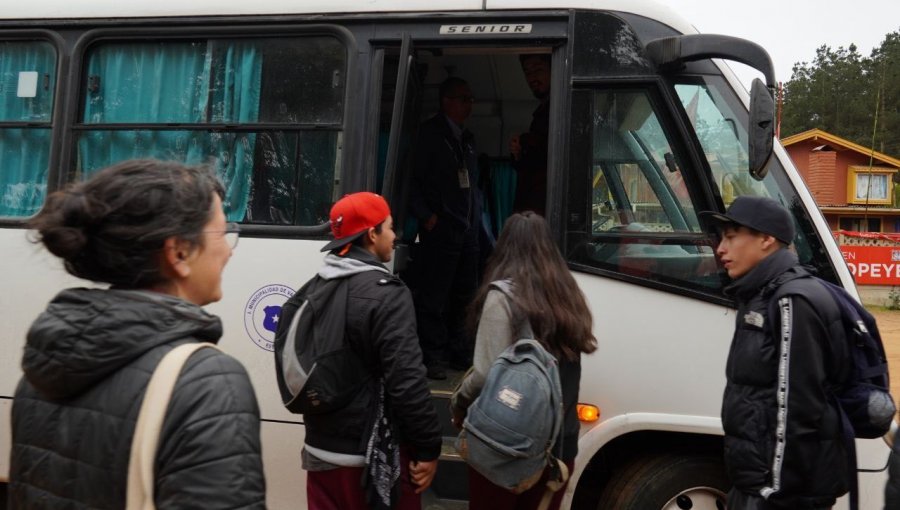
pixel 667 482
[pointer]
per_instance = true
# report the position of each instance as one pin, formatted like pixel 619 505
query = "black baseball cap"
pixel 762 214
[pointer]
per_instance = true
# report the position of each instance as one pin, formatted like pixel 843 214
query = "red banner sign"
pixel 873 265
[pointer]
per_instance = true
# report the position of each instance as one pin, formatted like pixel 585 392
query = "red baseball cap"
pixel 353 215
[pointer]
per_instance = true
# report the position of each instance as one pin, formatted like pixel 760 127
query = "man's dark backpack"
pixel 867 408
pixel 316 368
pixel 864 398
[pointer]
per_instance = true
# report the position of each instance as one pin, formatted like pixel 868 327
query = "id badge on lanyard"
pixel 463 174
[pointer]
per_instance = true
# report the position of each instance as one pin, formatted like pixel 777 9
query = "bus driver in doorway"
pixel 446 201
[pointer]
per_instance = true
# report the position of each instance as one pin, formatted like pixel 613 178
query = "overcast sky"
pixel 791 30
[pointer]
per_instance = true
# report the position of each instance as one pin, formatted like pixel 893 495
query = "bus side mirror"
pixel 761 131
pixel 671 53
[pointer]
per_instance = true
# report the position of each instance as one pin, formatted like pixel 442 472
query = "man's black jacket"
pixel 381 328
pixel 783 438
pixel 436 189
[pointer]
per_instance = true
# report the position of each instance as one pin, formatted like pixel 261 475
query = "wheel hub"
pixel 697 498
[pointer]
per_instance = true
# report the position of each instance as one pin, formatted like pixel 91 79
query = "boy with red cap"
pixel 390 431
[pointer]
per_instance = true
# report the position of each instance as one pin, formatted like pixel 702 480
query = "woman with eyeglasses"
pixel 156 233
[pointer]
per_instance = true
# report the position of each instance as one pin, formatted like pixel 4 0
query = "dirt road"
pixel 889 326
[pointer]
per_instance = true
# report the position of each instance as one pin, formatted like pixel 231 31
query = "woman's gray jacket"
pixel 87 362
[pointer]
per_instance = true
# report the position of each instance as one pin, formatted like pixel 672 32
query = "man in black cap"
pixel 784 447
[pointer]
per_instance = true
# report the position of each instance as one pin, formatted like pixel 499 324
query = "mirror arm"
pixel 671 53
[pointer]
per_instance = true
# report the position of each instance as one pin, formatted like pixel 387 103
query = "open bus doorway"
pixel 503 108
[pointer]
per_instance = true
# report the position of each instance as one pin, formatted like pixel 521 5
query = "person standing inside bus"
pixel 447 204
pixel 547 304
pixel 783 443
pixel 156 232
pixel 529 150
pixel 342 445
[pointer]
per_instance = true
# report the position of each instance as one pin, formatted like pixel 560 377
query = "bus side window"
pixel 27 90
pixel 640 220
pixel 267 113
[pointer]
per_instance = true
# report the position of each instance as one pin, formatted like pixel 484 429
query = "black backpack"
pixel 864 399
pixel 317 370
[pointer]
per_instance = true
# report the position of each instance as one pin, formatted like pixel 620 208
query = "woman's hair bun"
pixel 111 227
pixel 61 225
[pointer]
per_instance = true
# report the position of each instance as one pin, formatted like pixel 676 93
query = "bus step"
pixel 451 482
pixel 432 502
pixel 441 391
pixel 450 488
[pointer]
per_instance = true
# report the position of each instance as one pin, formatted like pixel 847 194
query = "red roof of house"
pixel 837 142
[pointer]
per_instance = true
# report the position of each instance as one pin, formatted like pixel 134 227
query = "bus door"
pixel 394 170
pixel 485 55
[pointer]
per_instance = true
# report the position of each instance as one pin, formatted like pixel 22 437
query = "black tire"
pixel 667 482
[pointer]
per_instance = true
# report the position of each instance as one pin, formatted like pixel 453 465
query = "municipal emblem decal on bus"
pixel 262 312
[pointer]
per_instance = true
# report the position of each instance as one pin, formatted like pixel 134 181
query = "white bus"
pixel 298 103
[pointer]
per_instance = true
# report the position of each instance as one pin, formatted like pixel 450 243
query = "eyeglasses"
pixel 464 99
pixel 231 233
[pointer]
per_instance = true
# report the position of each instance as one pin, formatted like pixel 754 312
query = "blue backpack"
pixel 511 427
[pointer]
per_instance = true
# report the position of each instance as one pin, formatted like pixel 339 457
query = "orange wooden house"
pixel 852 184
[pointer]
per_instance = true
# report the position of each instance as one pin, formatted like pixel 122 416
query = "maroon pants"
pixel 341 489
pixel 484 495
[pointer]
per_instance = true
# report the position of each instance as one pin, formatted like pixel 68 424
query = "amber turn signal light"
pixel 588 413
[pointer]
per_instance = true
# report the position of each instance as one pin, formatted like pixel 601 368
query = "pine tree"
pixel 839 91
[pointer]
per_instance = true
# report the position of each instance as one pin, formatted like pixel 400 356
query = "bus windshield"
pixel 719 121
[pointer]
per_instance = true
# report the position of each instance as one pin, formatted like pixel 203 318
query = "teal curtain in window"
pixel 502 192
pixel 235 96
pixel 190 82
pixel 25 152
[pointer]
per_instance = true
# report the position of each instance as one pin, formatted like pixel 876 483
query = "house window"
pixel 858 224
pixel 869 186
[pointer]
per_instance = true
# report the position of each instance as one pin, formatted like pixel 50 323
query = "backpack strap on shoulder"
pixel 524 328
pixel 559 472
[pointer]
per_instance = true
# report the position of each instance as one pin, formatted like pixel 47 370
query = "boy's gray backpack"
pixel 317 370
pixel 510 429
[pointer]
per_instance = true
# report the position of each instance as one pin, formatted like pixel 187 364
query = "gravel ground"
pixel 889 326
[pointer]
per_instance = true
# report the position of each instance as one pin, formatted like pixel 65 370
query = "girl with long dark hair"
pixel 544 297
